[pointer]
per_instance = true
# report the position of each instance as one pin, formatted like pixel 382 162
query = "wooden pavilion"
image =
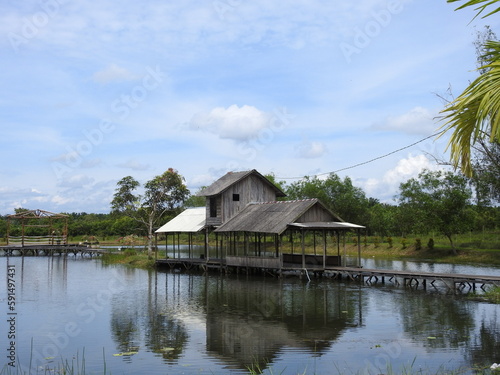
pixel 37 227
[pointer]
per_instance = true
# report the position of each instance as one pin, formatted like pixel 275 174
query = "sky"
pixel 91 92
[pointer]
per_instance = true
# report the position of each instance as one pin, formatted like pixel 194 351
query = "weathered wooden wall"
pixel 257 262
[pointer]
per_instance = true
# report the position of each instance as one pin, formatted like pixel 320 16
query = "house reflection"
pixel 250 320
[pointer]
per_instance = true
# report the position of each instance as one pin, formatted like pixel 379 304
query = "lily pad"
pixel 124 353
pixel 167 349
pixel 431 338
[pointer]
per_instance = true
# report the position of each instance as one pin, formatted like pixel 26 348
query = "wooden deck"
pixel 50 250
pixel 368 276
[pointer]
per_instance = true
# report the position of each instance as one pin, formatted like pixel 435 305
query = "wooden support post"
pixel 303 249
pixel 324 249
pixel 359 248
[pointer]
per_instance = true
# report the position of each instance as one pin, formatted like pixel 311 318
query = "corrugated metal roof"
pixel 189 220
pixel 231 178
pixel 328 225
pixel 269 217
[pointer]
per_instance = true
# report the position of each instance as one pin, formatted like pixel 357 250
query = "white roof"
pixel 190 220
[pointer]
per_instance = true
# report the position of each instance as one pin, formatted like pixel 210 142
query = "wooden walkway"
pixel 50 250
pixel 415 279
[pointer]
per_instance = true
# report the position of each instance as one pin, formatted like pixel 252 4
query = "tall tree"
pixel 437 201
pixel 163 195
pixel 340 196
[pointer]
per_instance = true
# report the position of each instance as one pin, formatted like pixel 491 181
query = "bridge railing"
pixel 37 240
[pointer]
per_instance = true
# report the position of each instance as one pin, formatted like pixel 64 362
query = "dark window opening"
pixel 236 197
pixel 213 207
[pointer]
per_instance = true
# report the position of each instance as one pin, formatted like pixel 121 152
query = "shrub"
pixel 430 244
pixel 389 241
pixel 418 244
pixel 129 252
pixel 404 242
pixel 376 241
pixel 355 240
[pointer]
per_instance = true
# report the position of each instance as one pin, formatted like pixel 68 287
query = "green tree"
pixel 340 196
pixel 438 201
pixel 383 220
pixel 163 196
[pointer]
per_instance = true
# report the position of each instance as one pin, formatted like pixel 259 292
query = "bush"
pixel 376 241
pixel 418 244
pixel 404 242
pixel 129 252
pixel 430 244
pixel 389 241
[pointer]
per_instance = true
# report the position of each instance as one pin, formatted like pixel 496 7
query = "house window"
pixel 236 197
pixel 213 207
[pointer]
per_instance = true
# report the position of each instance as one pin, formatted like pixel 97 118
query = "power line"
pixel 365 162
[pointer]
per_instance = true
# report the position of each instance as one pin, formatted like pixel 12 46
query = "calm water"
pixel 136 322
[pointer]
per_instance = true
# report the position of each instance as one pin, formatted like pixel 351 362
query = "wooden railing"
pixel 36 240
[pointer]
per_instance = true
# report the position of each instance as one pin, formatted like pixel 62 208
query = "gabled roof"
pixel 269 217
pixel 189 220
pixel 230 179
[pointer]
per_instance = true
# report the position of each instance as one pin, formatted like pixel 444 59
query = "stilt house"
pixel 254 230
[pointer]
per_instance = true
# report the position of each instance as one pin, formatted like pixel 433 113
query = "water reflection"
pixel 177 323
pixel 251 321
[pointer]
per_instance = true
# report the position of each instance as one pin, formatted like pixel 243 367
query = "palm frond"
pixel 482 5
pixel 474 114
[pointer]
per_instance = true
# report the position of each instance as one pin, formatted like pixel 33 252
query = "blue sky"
pixel 91 92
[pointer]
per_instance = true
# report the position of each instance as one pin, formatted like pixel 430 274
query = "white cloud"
pixel 59 200
pixel 387 187
pixel 134 165
pixel 310 150
pixel 408 168
pixel 113 73
pixel 236 123
pixel 77 181
pixel 418 120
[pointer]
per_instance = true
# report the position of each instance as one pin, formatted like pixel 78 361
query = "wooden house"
pixel 230 194
pixel 250 226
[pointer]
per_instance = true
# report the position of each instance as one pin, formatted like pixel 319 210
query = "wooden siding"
pixel 316 213
pixel 257 262
pixel 217 220
pixel 249 189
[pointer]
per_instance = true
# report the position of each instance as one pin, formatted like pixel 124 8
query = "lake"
pixel 130 321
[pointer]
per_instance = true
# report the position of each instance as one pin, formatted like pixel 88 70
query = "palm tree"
pixel 473 115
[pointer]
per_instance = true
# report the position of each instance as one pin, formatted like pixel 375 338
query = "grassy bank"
pixel 131 258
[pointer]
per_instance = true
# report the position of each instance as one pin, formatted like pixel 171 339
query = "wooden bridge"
pixel 50 250
pixel 276 267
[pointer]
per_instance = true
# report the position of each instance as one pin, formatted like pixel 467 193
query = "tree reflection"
pixel 146 318
pixel 435 321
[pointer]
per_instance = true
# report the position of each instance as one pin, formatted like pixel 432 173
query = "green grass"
pixel 131 258
pixel 75 366
pixel 493 295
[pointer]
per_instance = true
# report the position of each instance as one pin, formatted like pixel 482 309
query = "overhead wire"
pixel 365 162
